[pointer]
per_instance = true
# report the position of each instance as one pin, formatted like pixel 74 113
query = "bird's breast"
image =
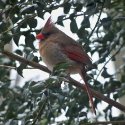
pixel 51 54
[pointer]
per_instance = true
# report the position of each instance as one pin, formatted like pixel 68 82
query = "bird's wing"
pixel 77 54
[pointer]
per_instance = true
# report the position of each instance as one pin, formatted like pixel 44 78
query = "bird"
pixel 56 47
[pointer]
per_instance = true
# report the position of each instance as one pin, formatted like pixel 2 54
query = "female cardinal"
pixel 56 47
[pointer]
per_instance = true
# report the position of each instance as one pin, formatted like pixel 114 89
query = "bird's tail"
pixel 83 75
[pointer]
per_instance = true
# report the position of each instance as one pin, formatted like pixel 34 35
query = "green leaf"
pixel 72 15
pixel 73 26
pixel 106 22
pixel 82 33
pixel 2 4
pixel 6 38
pixel 19 52
pixel 79 7
pixel 12 2
pixel 121 92
pixel 91 8
pixel 108 37
pixel 105 74
pixel 29 39
pixel 40 8
pixel 40 13
pixel 3 27
pixel 83 114
pixel 115 96
pixel 35 59
pixel 60 68
pixel 60 20
pixel 32 24
pixel 27 10
pixel 16 39
pixel 22 108
pixel 3 74
pixel 14 11
pixel 27 50
pixel 41 4
pixel 86 22
pixel 23 24
pixel 16 19
pixel 72 111
pixel 123 78
pixel 67 8
pixel 30 56
pixel 20 69
pixel 37 87
pixel 16 35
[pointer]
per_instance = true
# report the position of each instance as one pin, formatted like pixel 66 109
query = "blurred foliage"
pixel 43 102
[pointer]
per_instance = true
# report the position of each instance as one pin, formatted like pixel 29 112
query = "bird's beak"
pixel 40 36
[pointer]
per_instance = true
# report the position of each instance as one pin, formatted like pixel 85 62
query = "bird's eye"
pixel 46 34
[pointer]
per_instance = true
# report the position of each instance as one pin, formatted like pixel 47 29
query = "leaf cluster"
pixel 43 102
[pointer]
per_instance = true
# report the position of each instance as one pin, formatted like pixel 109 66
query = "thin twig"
pixel 97 20
pixel 5 66
pixel 75 15
pixel 72 81
pixel 12 67
pixel 110 59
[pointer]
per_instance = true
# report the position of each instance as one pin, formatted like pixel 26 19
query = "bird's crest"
pixel 49 27
pixel 49 23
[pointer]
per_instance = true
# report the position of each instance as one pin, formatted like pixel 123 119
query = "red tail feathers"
pixel 83 75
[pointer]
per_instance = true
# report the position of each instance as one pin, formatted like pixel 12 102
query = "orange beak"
pixel 40 36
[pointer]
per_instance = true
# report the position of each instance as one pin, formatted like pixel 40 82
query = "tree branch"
pixel 25 61
pixel 72 81
pixel 97 20
pixel 107 122
pixel 110 59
